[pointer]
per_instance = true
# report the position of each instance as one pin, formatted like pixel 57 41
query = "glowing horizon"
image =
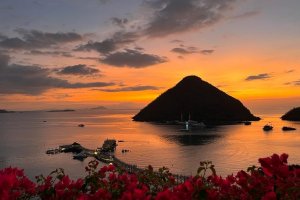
pixel 125 54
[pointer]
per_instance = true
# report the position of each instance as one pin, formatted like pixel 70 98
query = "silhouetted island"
pixel 66 110
pixel 292 115
pixel 195 99
pixel 6 111
pixel 99 108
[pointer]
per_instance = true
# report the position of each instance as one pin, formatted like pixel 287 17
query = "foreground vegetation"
pixel 274 179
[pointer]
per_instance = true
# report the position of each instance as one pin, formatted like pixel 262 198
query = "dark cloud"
pixel 191 50
pixel 34 39
pixel 258 77
pixel 169 16
pixel 4 59
pixel 118 40
pixel 176 16
pixel 207 51
pixel 34 80
pixel 131 89
pixel 139 48
pixel 296 83
pixel 176 41
pixel 132 58
pixel 2 37
pixel 88 58
pixel 246 15
pixel 121 22
pixel 182 50
pixel 14 43
pixel 104 46
pixel 78 70
pixel 290 71
pixel 51 53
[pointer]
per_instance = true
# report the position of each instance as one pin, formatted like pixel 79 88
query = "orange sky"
pixel 249 49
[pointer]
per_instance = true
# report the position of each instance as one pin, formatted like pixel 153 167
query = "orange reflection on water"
pixel 231 148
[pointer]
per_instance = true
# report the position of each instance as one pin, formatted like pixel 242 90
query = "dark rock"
pixel 286 128
pixel 74 148
pixel 247 123
pixel 292 115
pixel 268 127
pixel 6 111
pixel 193 98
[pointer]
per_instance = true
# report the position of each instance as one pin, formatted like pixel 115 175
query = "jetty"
pixel 104 154
pixel 135 169
pixel 109 145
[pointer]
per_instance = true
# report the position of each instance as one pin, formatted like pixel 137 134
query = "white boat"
pixel 196 124
pixel 192 124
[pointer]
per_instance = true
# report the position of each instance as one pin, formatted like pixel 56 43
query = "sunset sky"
pixel 124 53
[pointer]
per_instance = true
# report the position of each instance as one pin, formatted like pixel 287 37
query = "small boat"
pixel 286 128
pixel 267 127
pixel 80 125
pixel 52 151
pixel 125 150
pixel 190 124
pixel 187 127
pixel 247 123
pixel 196 124
pixel 80 156
pixel 121 141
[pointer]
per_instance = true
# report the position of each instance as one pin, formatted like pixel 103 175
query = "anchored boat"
pixel 268 127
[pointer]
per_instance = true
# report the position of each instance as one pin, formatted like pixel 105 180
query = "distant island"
pixel 6 111
pixel 194 99
pixel 65 110
pixel 99 108
pixel 292 115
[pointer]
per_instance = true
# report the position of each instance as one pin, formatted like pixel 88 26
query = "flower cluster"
pixel 15 185
pixel 275 179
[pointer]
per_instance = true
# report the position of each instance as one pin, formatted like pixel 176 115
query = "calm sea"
pixel 24 138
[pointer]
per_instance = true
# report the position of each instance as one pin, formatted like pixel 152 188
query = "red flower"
pixel 274 180
pixel 269 196
pixel 111 168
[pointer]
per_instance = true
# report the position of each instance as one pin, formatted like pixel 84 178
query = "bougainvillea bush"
pixel 274 179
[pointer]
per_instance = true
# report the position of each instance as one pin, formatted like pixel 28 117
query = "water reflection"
pixel 191 139
pixel 25 138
